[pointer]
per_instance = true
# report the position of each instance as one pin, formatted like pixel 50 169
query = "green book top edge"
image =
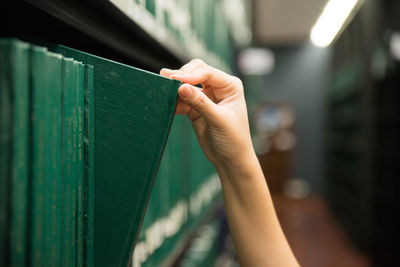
pixel 112 61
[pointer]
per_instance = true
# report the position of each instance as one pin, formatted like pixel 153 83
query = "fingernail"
pixel 175 76
pixel 166 70
pixel 185 92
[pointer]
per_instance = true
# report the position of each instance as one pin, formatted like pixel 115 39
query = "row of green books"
pixel 80 144
pixel 186 191
pixel 205 247
pixel 46 177
pixel 204 30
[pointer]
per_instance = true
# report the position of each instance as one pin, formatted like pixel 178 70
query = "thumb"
pixel 198 101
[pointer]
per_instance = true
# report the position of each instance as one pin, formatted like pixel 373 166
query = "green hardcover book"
pixel 39 139
pixel 153 235
pixel 162 203
pixel 199 173
pixel 5 146
pixel 19 77
pixel 133 110
pixel 142 249
pixel 89 166
pixel 150 236
pixel 68 247
pixel 52 172
pixel 176 190
pixel 79 98
pixel 75 156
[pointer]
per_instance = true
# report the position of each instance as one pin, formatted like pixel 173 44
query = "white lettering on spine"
pixel 204 195
pixel 180 20
pixel 170 225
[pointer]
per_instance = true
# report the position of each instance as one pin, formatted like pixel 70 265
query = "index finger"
pixel 198 72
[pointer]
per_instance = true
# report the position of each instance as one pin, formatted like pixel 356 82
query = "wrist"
pixel 245 164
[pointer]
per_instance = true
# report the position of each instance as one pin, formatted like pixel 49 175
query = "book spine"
pixel 74 168
pixel 89 165
pixel 80 90
pixel 20 152
pixel 39 123
pixel 69 170
pixel 52 178
pixel 5 147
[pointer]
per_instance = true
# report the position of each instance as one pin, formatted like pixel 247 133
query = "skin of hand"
pixel 219 116
pixel 217 111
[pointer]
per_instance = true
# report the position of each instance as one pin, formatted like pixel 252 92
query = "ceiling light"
pixel 395 45
pixel 256 61
pixel 331 21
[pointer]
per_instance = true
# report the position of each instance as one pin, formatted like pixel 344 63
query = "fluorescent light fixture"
pixel 331 21
pixel 395 45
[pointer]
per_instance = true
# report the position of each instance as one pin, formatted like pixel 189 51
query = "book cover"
pixel 39 123
pixel 79 103
pixel 53 87
pixel 19 78
pixel 68 246
pixel 5 147
pixel 89 166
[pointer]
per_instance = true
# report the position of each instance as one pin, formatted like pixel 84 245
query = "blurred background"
pixel 322 81
pixel 325 120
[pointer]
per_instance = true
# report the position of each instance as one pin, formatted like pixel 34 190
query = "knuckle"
pixel 204 75
pixel 197 61
pixel 200 103
pixel 199 64
pixel 236 81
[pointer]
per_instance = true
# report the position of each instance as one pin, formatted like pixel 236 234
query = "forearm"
pixel 255 229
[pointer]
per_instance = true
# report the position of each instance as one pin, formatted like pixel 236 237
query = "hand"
pixel 217 111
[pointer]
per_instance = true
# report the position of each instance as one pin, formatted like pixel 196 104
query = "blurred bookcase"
pixel 349 186
pixel 362 129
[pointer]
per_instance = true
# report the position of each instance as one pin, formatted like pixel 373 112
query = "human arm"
pixel 219 116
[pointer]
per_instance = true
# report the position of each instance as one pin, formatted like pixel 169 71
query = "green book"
pixel 89 167
pixel 68 247
pixel 53 87
pixel 75 156
pixel 79 103
pixel 133 110
pixel 177 184
pixel 19 78
pixel 171 204
pixel 5 146
pixel 39 126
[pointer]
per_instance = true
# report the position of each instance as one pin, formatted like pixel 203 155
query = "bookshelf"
pixel 105 38
pixel 362 129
